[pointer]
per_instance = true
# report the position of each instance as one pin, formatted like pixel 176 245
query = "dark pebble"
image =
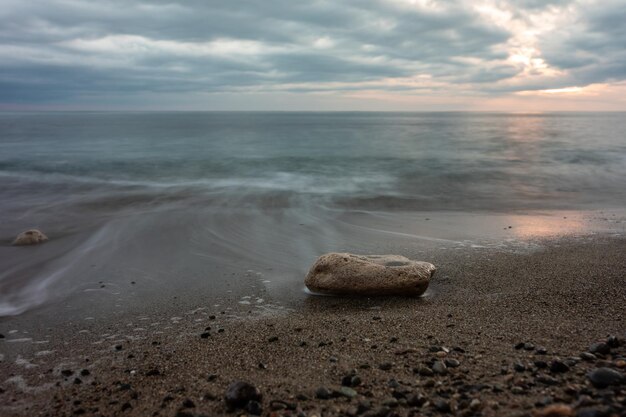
pixel 126 406
pixel 273 339
pixel 188 403
pixel 604 377
pixel 541 351
pixel 356 381
pixel 1 336
pixel 211 317
pixel 558 366
pixel 118 347
pixel 77 381
pixel 416 400
pixel 211 377
pixel 546 379
pixel 600 347
pixel 424 371
pixel 67 372
pixel 205 335
pixel 541 364
pixel 153 372
pixel 519 345
pixel 322 393
pixel 220 330
pixel 452 363
pixel 613 341
pixel 519 367
pixel 385 366
pixel 441 405
pixel 588 356
pixel 240 393
pixel 254 408
pixel 346 381
pixel 85 372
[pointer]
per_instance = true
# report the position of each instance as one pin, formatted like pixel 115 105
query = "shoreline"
pixel 562 297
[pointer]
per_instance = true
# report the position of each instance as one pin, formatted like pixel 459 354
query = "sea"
pixel 201 202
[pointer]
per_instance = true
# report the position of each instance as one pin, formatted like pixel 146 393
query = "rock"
pixel 439 368
pixel 441 405
pixel 322 393
pixel 519 367
pixel 558 366
pixel 589 357
pixel 347 392
pixel 452 363
pixel 30 237
pixel 603 377
pixel 385 366
pixel 601 348
pixel 348 274
pixel 555 410
pixel 240 393
pixel 254 408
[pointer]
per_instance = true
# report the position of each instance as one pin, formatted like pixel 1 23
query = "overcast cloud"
pixel 198 53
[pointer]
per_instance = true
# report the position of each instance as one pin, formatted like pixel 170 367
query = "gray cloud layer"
pixel 60 51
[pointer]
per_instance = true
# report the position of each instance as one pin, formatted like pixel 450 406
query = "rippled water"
pixel 209 190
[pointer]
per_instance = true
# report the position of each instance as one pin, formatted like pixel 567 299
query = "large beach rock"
pixel 30 237
pixel 345 274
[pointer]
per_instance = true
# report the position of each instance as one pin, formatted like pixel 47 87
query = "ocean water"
pixel 181 198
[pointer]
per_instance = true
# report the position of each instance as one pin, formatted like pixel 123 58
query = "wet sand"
pixel 481 304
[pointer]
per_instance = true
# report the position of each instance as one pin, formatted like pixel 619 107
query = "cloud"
pixel 72 51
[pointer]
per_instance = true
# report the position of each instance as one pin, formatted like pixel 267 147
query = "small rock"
pixel 188 403
pixel 30 237
pixel 600 347
pixel 558 366
pixel 587 356
pixel 390 402
pixel 322 393
pixel 254 408
pixel 546 379
pixel 541 350
pixel 441 405
pixel 385 366
pixel 347 392
pixel 519 367
pixel 153 372
pixel 273 339
pixel 452 363
pixel 529 346
pixel 205 335
pixel 604 377
pixel 416 400
pixel 424 371
pixel 240 393
pixel 475 404
pixel 439 368
pixel 541 364
pixel 613 341
pixel 555 410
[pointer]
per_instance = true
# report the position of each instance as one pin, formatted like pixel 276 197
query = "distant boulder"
pixel 349 274
pixel 30 237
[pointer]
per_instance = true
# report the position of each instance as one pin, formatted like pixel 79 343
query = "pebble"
pixel 347 392
pixel 416 400
pixel 441 405
pixel 600 347
pixel 254 408
pixel 558 366
pixel 452 363
pixel 439 368
pixel 205 335
pixel 424 371
pixel 519 367
pixel 385 366
pixel 240 393
pixel 588 356
pixel 153 372
pixel 322 393
pixel 555 410
pixel 613 341
pixel 541 350
pixel 188 403
pixel 604 377
pixel 273 339
pixel 546 379
pixel 541 364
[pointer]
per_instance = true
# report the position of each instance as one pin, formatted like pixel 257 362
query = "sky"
pixel 413 55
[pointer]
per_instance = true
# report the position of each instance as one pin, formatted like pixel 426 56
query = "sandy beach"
pixel 497 334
